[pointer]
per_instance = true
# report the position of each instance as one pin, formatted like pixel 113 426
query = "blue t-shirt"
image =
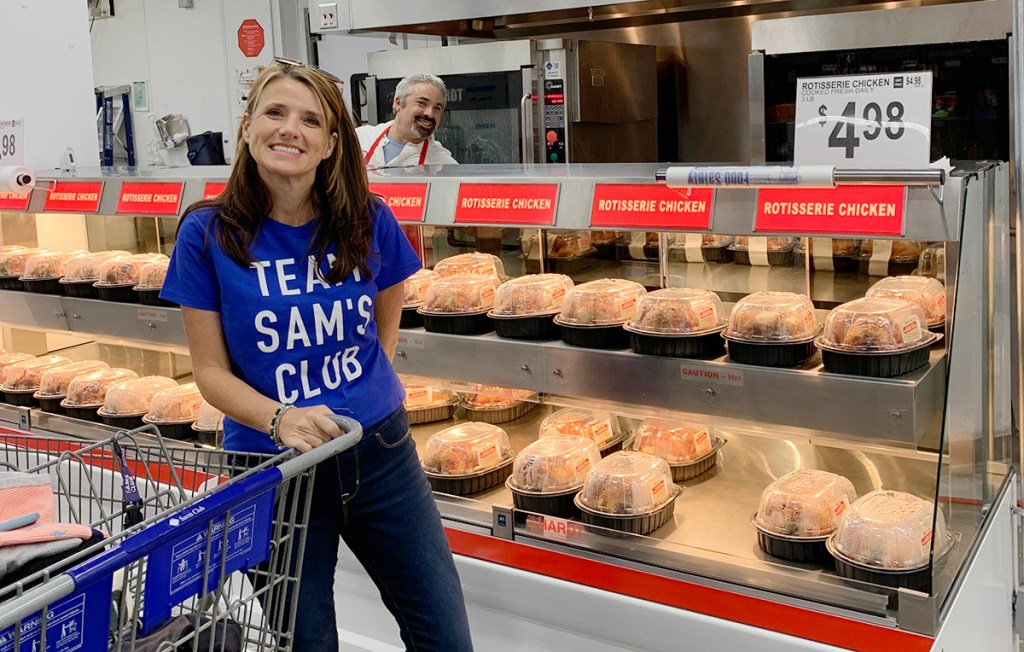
pixel 290 335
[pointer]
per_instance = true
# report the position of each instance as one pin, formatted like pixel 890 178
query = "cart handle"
pixel 136 546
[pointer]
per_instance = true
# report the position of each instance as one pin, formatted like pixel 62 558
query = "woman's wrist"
pixel 275 424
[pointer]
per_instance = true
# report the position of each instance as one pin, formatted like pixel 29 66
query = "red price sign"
pixel 507 203
pixel 150 197
pixel 74 197
pixel 408 201
pixel 14 201
pixel 213 188
pixel 651 206
pixel 846 210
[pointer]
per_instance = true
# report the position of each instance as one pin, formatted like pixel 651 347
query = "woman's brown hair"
pixel 341 193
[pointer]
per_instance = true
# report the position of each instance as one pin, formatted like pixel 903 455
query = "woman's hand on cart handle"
pixel 306 428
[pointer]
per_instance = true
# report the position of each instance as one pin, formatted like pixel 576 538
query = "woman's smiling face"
pixel 287 132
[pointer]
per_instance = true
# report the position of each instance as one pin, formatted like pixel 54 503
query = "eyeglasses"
pixel 293 62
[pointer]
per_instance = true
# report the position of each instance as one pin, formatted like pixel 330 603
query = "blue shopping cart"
pixel 204 553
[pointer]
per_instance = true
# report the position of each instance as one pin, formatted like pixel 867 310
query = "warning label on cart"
pixel 188 558
pixel 201 549
pixel 66 628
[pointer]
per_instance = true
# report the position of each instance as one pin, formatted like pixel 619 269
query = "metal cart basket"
pixel 204 549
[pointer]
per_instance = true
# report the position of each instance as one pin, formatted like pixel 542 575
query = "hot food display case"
pixel 686 406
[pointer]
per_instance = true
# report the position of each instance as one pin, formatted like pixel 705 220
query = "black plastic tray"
pixel 613 445
pixel 775 258
pixel 690 470
pixel 85 412
pixel 498 415
pixel 410 318
pixel 811 550
pixel 119 293
pixel 43 285
pixel 472 324
pixel 151 297
pixel 21 398
pixel 554 504
pixel 51 404
pixel 676 346
pixel 11 283
pixel 80 289
pixel 540 327
pixel 208 437
pixel 787 354
pixel 917 579
pixel 722 254
pixel 123 421
pixel 896 267
pixel 463 485
pixel 180 430
pixel 639 524
pixel 877 365
pixel 431 414
pixel 595 337
pixel 570 265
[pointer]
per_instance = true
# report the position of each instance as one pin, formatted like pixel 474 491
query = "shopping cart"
pixel 204 552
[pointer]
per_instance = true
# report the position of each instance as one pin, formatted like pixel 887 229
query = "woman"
pixel 290 284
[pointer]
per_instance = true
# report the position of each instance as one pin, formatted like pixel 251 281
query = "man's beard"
pixel 421 131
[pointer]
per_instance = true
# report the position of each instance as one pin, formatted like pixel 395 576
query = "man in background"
pixel 408 140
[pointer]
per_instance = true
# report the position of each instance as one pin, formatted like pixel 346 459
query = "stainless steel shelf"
pixel 129 321
pixel 895 411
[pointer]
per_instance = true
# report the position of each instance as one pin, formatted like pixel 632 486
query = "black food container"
pixel 118 293
pixel 476 323
pixel 630 523
pixel 677 346
pixel 122 421
pixel 410 318
pixel 20 397
pixel 570 265
pixel 722 254
pixel 896 267
pixel 11 283
pixel 553 504
pixel 613 445
pixel 877 365
pixel 51 403
pixel 808 550
pixel 534 327
pixel 463 485
pixel 612 336
pixel 769 354
pixel 681 472
pixel 916 579
pixel 214 438
pixel 180 430
pixel 151 297
pixel 83 412
pixel 780 258
pixel 80 289
pixel 43 285
pixel 418 415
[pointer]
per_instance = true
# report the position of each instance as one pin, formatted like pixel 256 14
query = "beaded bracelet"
pixel 275 424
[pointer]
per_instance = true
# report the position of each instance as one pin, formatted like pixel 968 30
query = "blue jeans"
pixel 375 497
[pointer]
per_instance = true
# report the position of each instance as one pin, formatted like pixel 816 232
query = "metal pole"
pixel 1016 121
pixel 790 176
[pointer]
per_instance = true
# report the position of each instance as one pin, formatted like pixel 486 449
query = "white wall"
pixel 188 56
pixel 48 79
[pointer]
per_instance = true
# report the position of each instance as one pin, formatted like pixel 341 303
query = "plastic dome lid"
pixel 175 405
pixel 471 263
pixel 604 302
pixel 628 483
pixel 875 325
pixel 423 396
pixel 12 261
pixel 91 388
pixel 598 426
pixel 492 397
pixel 804 503
pixel 904 251
pixel 676 442
pixel 928 293
pixel 569 244
pixel 55 381
pixel 134 396
pixel 531 295
pixel 12 357
pixel 469 448
pixel 47 264
pixel 86 266
pixel 773 317
pixel 460 294
pixel 209 418
pixel 774 243
pixel 152 275
pixel 932 262
pixel 26 374
pixel 678 311
pixel 890 530
pixel 125 270
pixel 554 465
pixel 414 289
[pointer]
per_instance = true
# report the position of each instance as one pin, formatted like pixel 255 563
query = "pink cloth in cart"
pixel 23 495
